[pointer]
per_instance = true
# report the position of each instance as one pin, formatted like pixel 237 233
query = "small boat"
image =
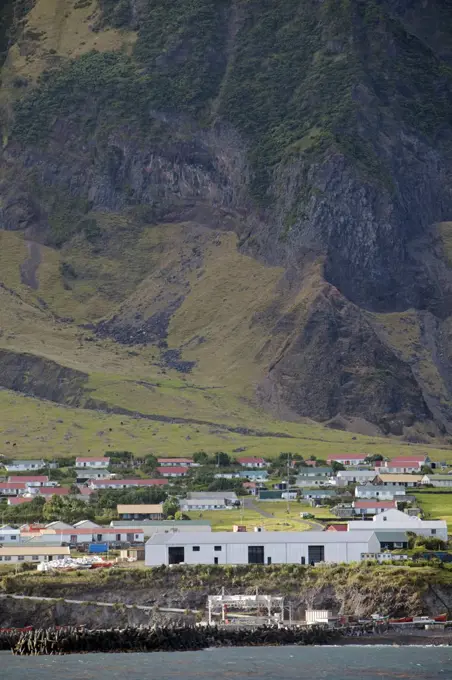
pixel 406 619
pixel 442 618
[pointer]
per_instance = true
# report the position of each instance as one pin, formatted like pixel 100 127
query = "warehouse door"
pixel 176 555
pixel 316 553
pixel 255 554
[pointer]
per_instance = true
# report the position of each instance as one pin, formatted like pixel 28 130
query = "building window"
pixel 21 558
pixel 13 538
pixel 35 558
pixel 2 538
pixel 215 560
pixel 217 548
pixel 303 560
pixel 7 558
pixel 433 532
pixel 196 548
pixel 255 554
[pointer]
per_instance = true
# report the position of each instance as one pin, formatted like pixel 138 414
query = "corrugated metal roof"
pixel 223 537
pixel 394 536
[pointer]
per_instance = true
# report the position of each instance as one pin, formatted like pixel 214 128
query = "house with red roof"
pixel 372 507
pixel 173 471
pixel 97 484
pixel 93 462
pixel 19 500
pixel 49 491
pixel 347 459
pixel 32 480
pixel 12 488
pixel 251 462
pixel 405 464
pixel 337 527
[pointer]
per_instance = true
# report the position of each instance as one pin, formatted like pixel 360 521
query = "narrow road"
pixel 250 505
pixel 100 604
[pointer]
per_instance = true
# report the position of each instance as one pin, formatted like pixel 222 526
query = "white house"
pixel 25 465
pixel 173 470
pixel 344 477
pixel 312 481
pixel 93 462
pixel 372 507
pixel 382 493
pixel 97 484
pixel 405 464
pixel 12 488
pixel 87 474
pixel 32 480
pixel 267 547
pixel 8 534
pixel 175 462
pixel 83 536
pixel 251 462
pixel 347 459
pixel 439 481
pixel 205 500
pixel 30 553
pixel 395 520
pixel 315 472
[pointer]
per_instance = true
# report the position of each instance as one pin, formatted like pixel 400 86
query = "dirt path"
pixel 29 268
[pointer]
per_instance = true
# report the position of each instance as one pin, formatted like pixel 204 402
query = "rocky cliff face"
pixel 350 590
pixel 320 133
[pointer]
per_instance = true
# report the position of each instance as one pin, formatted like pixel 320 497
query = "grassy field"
pixel 220 390
pixel 436 505
pixel 224 520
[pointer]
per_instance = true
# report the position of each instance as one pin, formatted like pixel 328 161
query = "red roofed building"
pixel 405 464
pixel 85 491
pixel 251 462
pixel 251 487
pixel 93 463
pixel 49 491
pixel 31 480
pixel 172 471
pixel 175 462
pixel 18 500
pixel 12 488
pixel 337 527
pixel 347 459
pixel 372 507
pixel 125 483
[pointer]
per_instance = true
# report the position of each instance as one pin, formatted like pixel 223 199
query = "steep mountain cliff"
pixel 253 193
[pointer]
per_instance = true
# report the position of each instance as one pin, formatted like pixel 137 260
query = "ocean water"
pixel 263 663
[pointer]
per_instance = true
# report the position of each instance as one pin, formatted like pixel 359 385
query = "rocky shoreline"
pixel 191 638
pixel 182 638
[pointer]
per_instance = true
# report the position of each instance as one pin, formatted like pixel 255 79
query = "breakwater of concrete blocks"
pixel 187 638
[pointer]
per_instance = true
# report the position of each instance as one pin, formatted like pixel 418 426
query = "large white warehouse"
pixel 268 547
pixel 395 520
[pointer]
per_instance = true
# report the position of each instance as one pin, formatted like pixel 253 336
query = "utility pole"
pixel 288 485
